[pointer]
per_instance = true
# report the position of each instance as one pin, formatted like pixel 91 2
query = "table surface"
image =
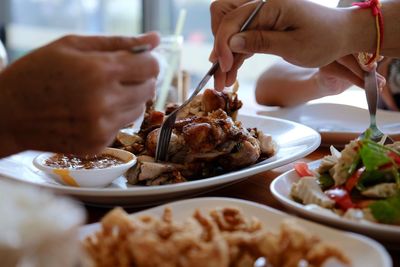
pixel 255 188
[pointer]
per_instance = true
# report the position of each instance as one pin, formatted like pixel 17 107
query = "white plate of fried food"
pixel 210 148
pixel 223 232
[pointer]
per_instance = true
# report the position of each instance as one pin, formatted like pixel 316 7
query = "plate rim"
pixel 343 222
pixel 192 185
pixel 379 248
pixel 380 112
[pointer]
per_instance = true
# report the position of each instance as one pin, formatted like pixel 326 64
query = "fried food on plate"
pixel 224 237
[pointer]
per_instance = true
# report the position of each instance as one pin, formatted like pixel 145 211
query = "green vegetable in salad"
pixel 374 155
pixel 325 181
pixel 371 178
pixel 354 166
pixel 387 211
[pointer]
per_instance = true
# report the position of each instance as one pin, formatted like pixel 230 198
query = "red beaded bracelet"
pixel 375 6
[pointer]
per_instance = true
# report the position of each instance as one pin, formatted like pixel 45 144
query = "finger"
pixel 381 80
pixel 351 63
pixel 218 9
pixel 232 74
pixel 115 43
pixel 213 56
pixel 56 136
pixel 361 61
pixel 129 116
pixel 135 68
pixel 231 77
pixel 129 96
pixel 267 42
pixel 342 72
pixel 219 80
pixel 229 26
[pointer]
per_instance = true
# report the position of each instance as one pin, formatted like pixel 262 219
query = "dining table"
pixel 255 188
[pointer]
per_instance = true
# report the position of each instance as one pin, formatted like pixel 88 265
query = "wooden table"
pixel 255 188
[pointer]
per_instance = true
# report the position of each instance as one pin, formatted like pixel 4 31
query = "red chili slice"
pixel 341 198
pixel 302 169
pixel 353 180
pixel 395 157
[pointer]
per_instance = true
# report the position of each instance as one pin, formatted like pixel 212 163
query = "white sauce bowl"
pixel 87 177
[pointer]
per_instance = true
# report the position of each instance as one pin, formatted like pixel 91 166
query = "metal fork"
pixel 371 92
pixel 164 135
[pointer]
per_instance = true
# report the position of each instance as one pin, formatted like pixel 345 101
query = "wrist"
pixel 360 34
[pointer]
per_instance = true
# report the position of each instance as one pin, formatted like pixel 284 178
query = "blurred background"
pixel 27 24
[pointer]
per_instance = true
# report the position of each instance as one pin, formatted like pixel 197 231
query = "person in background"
pixel 284 84
pixel 285 28
pixel 74 94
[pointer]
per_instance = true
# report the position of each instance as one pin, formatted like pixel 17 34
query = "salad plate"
pixel 281 190
pixel 338 123
pixel 293 141
pixel 362 251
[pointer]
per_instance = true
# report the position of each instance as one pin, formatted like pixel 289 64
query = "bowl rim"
pixel 38 162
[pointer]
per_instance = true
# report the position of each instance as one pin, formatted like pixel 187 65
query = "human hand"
pixel 219 9
pixel 336 77
pixel 284 28
pixel 73 95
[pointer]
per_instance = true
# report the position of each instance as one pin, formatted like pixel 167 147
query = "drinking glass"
pixel 170 50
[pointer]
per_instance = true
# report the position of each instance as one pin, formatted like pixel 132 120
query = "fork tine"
pixel 164 138
pixel 160 145
pixel 165 145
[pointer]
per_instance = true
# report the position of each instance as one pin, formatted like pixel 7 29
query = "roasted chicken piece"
pixel 206 140
pixel 149 172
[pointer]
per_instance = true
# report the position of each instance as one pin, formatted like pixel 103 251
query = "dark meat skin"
pixel 213 100
pixel 199 137
pixel 152 119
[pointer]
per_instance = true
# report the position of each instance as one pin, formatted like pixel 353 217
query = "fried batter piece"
pixel 224 237
pixel 206 141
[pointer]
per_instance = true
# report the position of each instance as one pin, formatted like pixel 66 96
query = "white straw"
pixel 173 64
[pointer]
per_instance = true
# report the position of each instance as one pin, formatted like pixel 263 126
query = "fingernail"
pixel 381 83
pixel 222 65
pixel 212 58
pixel 237 43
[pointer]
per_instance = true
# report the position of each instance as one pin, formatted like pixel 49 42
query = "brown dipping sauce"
pixel 63 161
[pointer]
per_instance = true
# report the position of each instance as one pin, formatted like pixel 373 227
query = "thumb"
pixel 266 42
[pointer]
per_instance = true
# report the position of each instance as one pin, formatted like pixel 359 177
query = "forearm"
pixel 287 85
pixel 362 32
pixel 8 145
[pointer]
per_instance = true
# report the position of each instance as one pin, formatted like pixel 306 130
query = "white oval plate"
pixel 280 189
pixel 294 141
pixel 361 250
pixel 338 124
